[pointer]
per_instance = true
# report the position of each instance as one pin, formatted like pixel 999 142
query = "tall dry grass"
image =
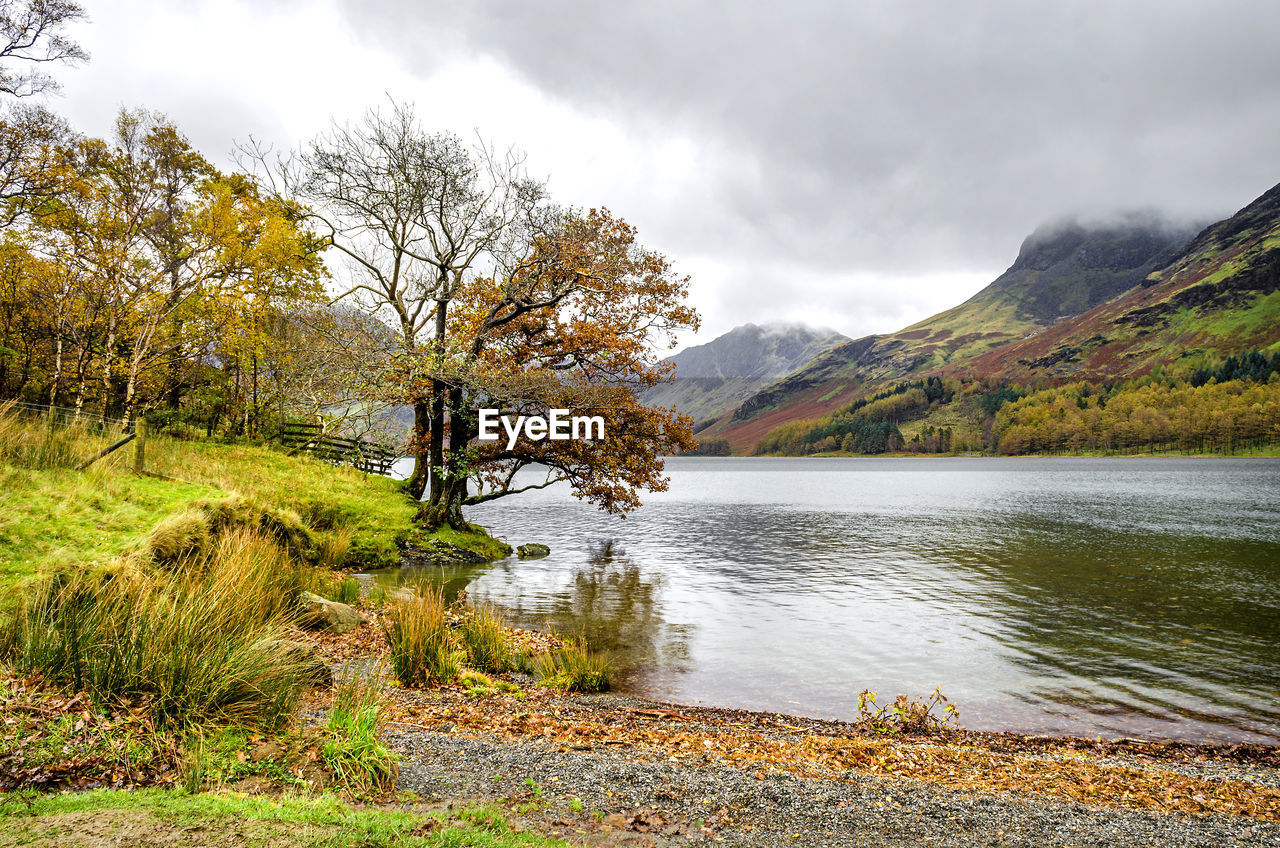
pixel 574 667
pixel 204 641
pixel 44 443
pixel 423 646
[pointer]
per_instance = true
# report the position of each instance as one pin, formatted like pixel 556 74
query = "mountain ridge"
pixel 1078 301
pixel 714 377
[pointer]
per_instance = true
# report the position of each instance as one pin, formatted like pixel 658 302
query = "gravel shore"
pixel 608 796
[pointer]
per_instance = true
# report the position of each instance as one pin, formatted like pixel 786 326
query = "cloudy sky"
pixel 858 165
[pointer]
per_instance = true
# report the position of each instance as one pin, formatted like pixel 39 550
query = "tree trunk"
pixel 56 383
pixel 449 485
pixel 438 391
pixel 255 432
pixel 417 482
pixel 82 378
pixel 131 391
pixel 107 354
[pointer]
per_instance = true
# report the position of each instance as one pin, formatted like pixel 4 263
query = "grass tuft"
pixel 203 642
pixel 574 668
pixel 362 764
pixel 423 646
pixel 485 638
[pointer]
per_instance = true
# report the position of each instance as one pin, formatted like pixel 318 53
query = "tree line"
pixel 1223 408
pixel 1152 414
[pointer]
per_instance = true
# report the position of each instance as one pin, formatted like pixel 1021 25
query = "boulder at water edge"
pixel 532 551
pixel 330 616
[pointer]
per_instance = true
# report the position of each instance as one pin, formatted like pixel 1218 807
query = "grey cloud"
pixel 905 136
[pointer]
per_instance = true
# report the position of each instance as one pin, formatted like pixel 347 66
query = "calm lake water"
pixel 1082 596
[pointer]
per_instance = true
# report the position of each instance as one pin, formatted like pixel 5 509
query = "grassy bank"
pixel 170 817
pixel 147 618
pixel 52 515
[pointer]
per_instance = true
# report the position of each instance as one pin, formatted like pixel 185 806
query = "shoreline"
pixel 624 755
pixel 772 779
pixel 1267 453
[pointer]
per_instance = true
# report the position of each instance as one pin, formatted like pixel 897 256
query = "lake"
pixel 1136 597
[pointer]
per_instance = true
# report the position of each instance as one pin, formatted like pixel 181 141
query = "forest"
pixel 1228 407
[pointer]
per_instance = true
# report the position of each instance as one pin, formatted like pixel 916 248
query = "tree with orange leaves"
pixel 498 299
pixel 572 322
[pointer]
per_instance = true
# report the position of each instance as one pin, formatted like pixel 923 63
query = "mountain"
pixel 713 378
pixel 1062 270
pixel 1218 295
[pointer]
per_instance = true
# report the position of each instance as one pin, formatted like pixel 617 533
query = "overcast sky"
pixel 852 165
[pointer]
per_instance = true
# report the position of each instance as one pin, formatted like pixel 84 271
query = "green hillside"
pixel 1216 297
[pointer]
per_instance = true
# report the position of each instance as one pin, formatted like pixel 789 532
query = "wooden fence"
pixel 364 456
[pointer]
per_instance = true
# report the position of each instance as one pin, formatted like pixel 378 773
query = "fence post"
pixel 140 448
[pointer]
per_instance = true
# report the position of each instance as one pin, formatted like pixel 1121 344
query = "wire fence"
pixel 66 416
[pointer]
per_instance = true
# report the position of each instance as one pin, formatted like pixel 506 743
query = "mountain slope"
pixel 1061 270
pixel 1219 295
pixel 713 378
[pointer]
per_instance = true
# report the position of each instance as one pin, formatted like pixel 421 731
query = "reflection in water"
pixel 1081 596
pixel 608 599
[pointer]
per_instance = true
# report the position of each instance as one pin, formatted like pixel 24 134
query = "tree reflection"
pixel 613 603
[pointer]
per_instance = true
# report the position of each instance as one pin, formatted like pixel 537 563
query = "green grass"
pixel 361 763
pixel 64 517
pixel 480 685
pixel 372 510
pixel 52 516
pixel 161 816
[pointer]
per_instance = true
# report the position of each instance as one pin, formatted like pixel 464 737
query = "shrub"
pixel 485 639
pixel 423 647
pixel 574 668
pixel 906 714
pixel 353 750
pixel 202 642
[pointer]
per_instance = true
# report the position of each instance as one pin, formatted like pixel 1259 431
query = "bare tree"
pixel 31 137
pixel 415 215
pixel 31 36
